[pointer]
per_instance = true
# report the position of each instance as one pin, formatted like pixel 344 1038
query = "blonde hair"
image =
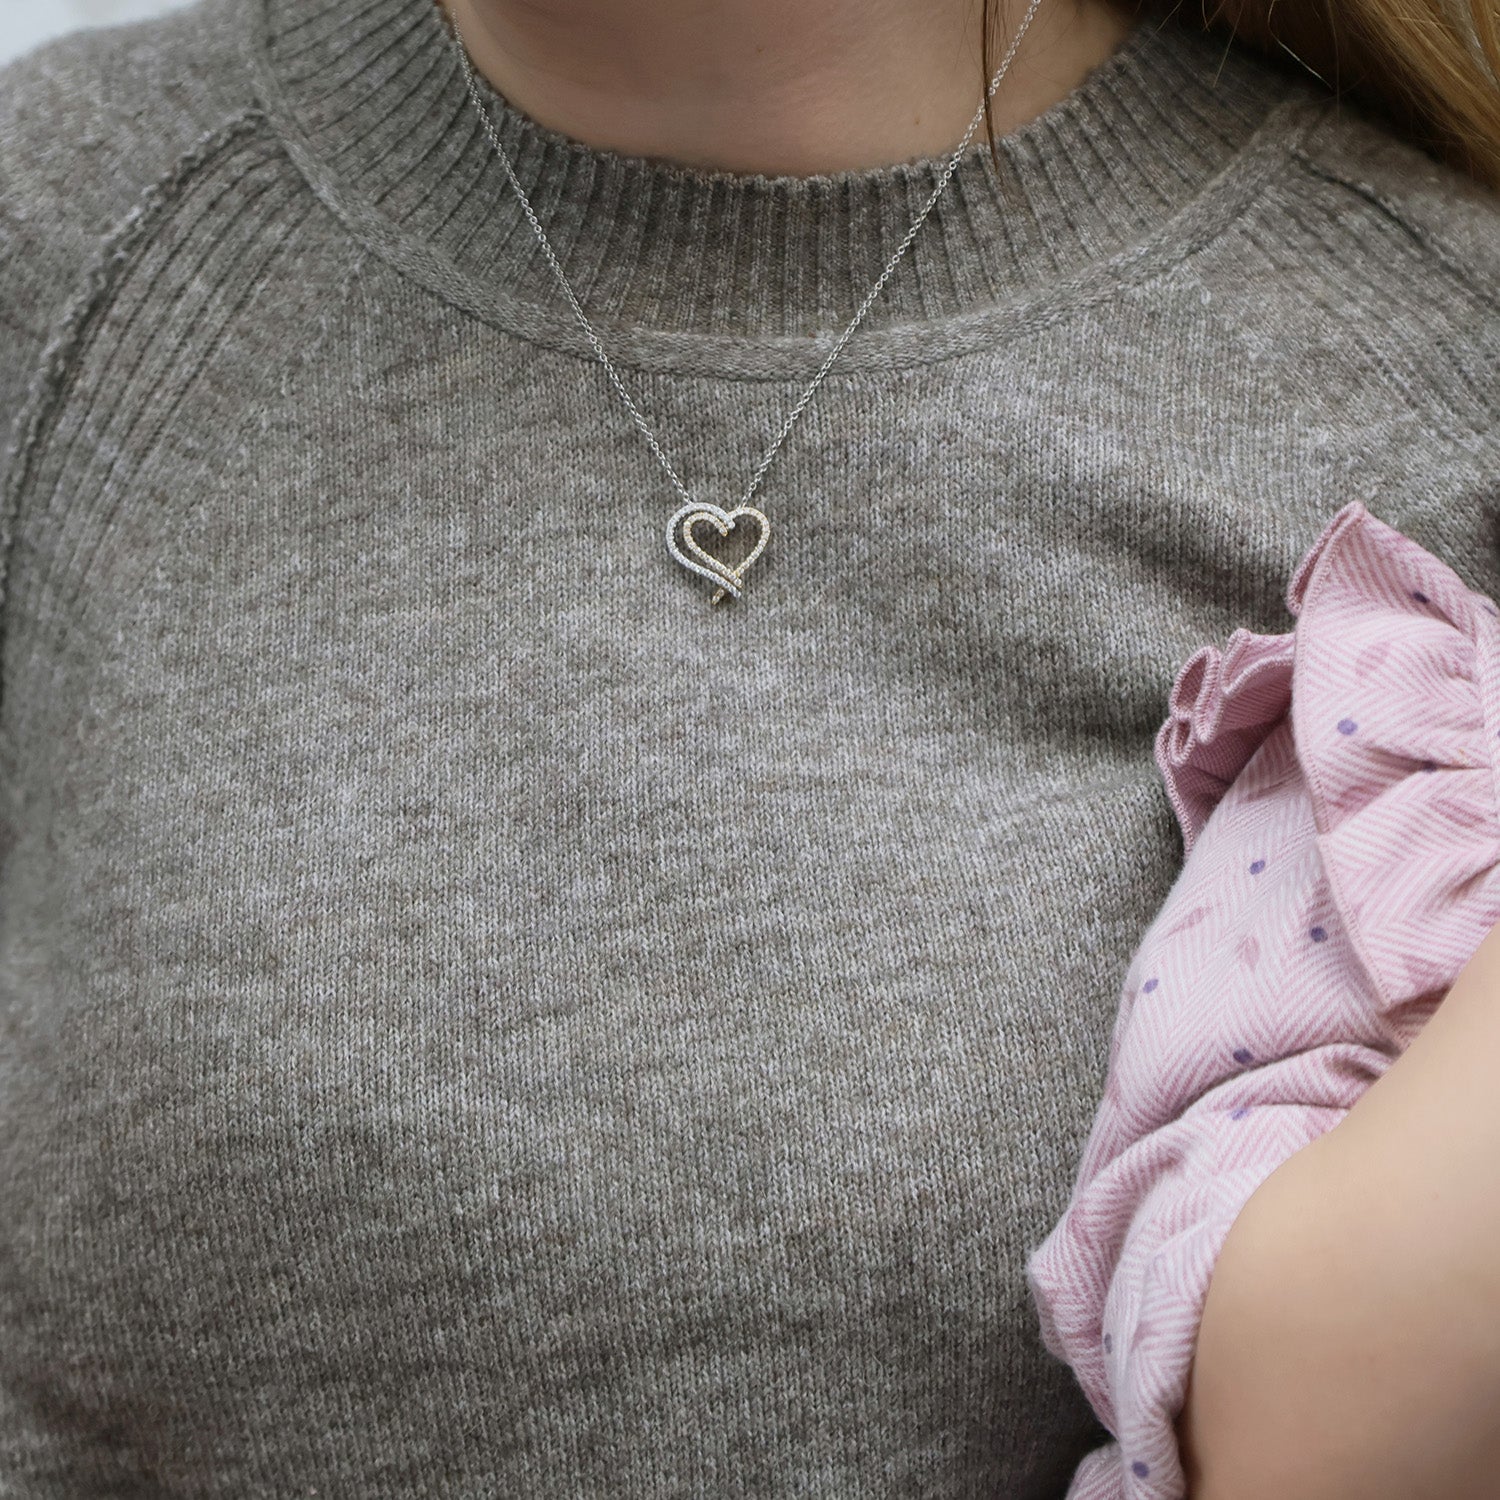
pixel 1431 67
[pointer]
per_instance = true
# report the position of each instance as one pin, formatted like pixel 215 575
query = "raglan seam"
pixel 53 369
pixel 1428 239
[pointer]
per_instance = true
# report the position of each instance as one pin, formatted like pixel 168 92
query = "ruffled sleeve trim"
pixel 1392 679
pixel 1395 715
pixel 1222 707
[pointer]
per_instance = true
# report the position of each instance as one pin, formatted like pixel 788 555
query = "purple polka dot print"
pixel 1256 866
pixel 1109 1343
pixel 1149 985
pixel 1420 597
pixel 1318 935
pixel 1140 1469
pixel 1243 1055
pixel 1347 726
pixel 1240 1113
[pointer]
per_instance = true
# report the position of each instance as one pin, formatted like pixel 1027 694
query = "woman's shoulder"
pixel 1384 182
pixel 89 120
pixel 95 127
pixel 1362 277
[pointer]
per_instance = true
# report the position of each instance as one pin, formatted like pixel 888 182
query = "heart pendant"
pixel 729 579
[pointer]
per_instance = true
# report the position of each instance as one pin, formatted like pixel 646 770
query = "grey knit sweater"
pixel 476 1020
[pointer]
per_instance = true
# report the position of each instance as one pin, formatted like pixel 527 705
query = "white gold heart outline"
pixel 726 577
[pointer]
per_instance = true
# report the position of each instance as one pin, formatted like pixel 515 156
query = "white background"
pixel 24 23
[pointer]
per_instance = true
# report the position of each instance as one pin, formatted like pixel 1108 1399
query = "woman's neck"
pixel 780 87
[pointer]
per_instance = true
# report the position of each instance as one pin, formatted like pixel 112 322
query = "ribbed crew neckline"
pixel 370 98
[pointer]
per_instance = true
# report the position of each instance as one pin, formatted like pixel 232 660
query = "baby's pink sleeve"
pixel 1336 789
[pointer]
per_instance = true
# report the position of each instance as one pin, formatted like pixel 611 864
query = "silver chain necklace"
pixel 693 513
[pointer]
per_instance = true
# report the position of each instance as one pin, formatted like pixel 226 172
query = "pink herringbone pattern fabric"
pixel 1337 792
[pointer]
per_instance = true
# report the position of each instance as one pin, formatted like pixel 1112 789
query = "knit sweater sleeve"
pixel 88 124
pixel 1447 214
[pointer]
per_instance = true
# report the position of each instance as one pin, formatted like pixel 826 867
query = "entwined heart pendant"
pixel 729 579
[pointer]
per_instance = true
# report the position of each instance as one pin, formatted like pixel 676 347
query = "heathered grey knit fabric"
pixel 476 1020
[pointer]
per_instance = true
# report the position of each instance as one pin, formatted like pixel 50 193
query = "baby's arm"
pixel 1338 882
pixel 1350 1342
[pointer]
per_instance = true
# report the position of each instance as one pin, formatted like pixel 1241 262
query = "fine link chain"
pixel 729 578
